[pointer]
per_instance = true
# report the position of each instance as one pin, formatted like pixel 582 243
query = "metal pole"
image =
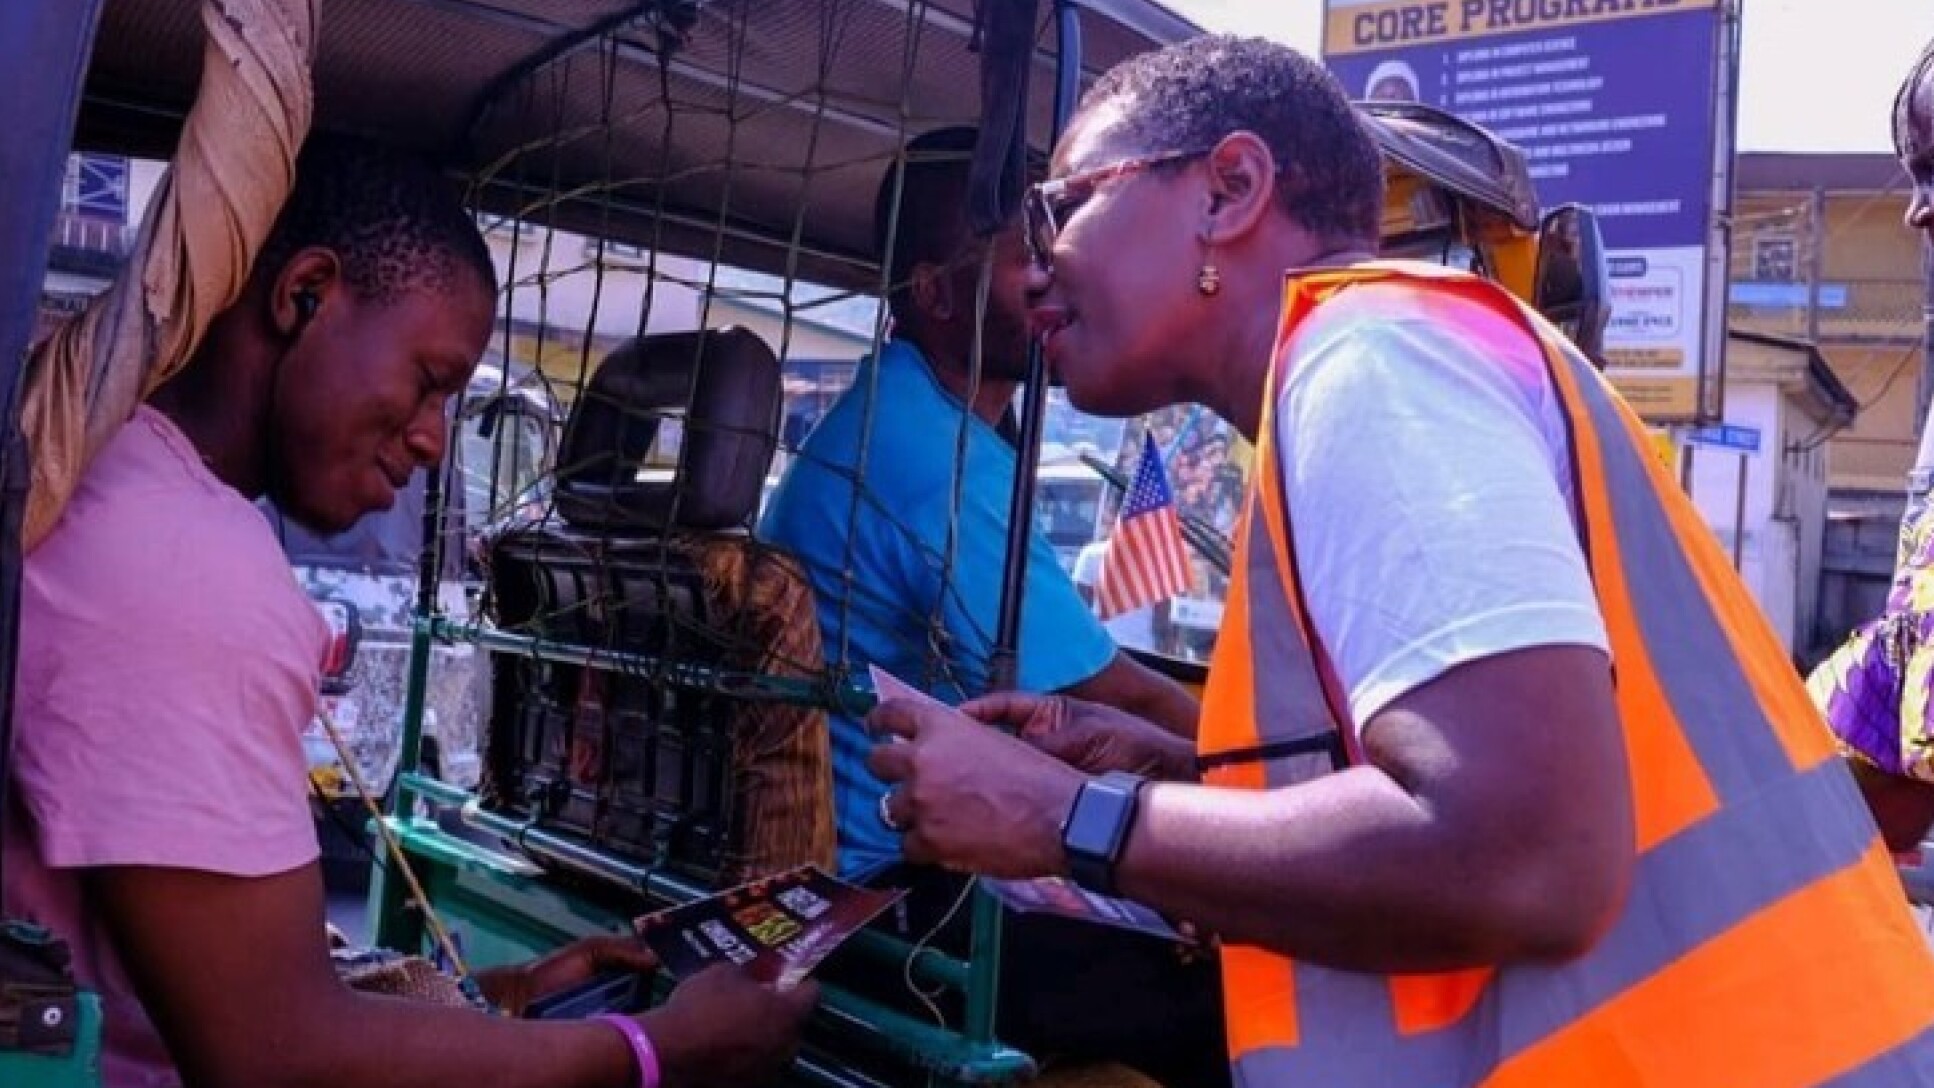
pixel 1816 220
pixel 1711 399
pixel 1003 663
pixel 429 579
pixel 392 923
pixel 46 47
pixel 1739 516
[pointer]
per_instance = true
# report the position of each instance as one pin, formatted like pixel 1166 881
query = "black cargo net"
pixel 669 335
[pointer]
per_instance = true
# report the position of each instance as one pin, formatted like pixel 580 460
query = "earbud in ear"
pixel 305 305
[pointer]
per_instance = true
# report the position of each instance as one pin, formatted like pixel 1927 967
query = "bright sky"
pixel 1815 75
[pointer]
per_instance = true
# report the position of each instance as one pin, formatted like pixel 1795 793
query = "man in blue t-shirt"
pixel 897 507
pixel 897 502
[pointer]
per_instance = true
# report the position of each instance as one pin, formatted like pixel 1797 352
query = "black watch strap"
pixel 1097 827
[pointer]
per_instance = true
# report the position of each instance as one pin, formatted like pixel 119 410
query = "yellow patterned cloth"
pixel 209 218
pixel 781 756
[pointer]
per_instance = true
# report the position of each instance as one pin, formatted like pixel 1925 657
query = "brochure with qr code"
pixel 1065 899
pixel 779 928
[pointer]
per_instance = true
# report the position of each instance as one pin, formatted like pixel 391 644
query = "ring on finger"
pixel 886 813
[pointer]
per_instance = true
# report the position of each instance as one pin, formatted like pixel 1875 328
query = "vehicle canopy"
pixel 784 111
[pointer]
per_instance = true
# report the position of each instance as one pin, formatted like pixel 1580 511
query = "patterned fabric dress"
pixel 1874 689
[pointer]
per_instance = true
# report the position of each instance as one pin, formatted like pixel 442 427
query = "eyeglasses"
pixel 1049 204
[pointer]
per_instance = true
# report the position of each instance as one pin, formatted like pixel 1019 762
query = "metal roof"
pixel 724 128
pixel 744 132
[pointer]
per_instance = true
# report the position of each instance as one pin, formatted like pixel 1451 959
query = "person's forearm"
pixel 1354 872
pixel 382 1042
pixel 1158 699
pixel 1902 806
pixel 1178 760
pixel 1134 688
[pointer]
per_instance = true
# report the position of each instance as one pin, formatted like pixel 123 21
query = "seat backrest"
pixel 651 563
pixel 715 394
pixel 632 764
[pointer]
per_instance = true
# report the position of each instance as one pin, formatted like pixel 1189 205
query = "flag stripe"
pixel 1147 558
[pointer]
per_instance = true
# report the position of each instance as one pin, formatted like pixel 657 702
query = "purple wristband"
pixel 642 1051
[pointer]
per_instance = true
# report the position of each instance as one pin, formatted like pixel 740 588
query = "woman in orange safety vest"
pixel 1501 778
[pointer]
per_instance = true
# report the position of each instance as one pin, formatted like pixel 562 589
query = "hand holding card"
pixel 779 928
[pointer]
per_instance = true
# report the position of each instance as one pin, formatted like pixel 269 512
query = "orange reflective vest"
pixel 1766 940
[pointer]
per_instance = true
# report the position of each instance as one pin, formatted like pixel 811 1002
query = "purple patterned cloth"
pixel 1874 689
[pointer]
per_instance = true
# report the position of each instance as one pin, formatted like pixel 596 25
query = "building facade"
pixel 1821 256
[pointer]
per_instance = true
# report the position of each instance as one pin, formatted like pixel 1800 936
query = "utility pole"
pixel 1816 237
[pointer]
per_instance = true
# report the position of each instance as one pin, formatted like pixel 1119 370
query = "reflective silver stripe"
pixel 1288 692
pixel 1704 683
pixel 1909 1065
pixel 1687 890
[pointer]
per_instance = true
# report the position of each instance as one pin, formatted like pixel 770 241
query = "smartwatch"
pixel 1097 826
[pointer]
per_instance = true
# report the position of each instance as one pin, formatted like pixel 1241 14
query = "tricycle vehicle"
pixel 679 194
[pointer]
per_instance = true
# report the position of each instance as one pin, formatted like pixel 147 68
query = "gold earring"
pixel 1209 280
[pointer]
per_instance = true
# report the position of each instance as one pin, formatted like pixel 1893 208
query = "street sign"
pixel 1726 436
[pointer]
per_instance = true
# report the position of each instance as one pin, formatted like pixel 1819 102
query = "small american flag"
pixel 1147 560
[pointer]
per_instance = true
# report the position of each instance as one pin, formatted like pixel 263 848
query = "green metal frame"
pixel 506 909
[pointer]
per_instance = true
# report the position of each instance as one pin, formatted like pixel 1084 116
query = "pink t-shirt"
pixel 168 663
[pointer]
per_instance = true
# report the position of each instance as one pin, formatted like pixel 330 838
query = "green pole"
pixel 393 924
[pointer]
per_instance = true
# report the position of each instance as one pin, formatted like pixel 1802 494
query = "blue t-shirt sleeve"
pixel 1062 643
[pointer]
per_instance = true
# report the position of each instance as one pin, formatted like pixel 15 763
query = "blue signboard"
pixel 1787 296
pixel 1613 105
pixel 1726 436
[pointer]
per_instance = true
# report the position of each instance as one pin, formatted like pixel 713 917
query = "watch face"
pixel 1098 827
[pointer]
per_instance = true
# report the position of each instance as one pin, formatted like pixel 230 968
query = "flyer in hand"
pixel 1047 895
pixel 888 686
pixel 1065 899
pixel 780 928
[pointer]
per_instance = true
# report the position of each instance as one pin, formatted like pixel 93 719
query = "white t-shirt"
pixel 1134 629
pixel 1426 456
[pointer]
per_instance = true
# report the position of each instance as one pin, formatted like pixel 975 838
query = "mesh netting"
pixel 670 332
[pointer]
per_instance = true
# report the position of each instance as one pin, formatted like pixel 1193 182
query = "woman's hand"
pixel 722 1029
